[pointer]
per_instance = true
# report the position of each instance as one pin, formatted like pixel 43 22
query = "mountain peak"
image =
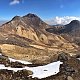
pixel 30 15
pixel 75 22
pixel 16 18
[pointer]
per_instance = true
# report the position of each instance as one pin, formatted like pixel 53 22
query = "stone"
pixel 69 78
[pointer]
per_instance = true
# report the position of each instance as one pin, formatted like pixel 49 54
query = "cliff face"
pixel 26 38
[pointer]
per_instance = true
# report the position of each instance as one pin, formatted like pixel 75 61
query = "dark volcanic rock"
pixel 10 75
pixel 4 60
pixel 63 57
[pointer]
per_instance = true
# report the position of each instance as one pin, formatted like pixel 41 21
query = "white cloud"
pixel 15 2
pixel 61 20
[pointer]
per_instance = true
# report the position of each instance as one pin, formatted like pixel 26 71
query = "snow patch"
pixel 46 71
pixel 78 58
pixel 40 71
pixel 23 62
pixel 9 68
pixel 0 54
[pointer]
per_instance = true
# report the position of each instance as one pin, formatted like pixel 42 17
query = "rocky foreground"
pixel 69 70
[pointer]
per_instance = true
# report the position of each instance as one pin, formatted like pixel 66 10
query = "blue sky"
pixel 46 9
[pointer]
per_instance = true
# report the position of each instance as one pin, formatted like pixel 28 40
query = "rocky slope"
pixel 26 38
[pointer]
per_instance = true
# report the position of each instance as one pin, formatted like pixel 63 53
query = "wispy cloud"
pixel 62 20
pixel 13 2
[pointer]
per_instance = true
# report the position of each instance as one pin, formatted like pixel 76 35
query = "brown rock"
pixel 69 78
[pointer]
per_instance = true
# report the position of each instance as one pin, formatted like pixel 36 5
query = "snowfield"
pixel 40 71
